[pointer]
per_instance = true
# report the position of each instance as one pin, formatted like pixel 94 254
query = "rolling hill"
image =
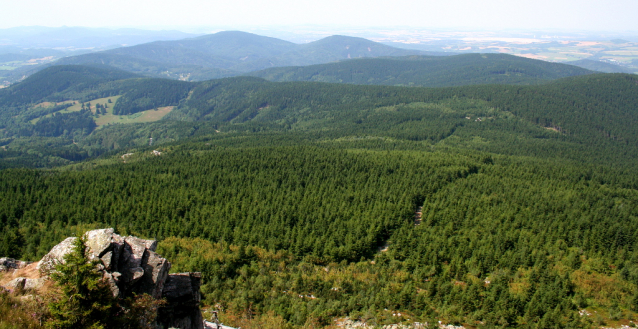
pixel 428 71
pixel 244 52
pixel 229 53
pixel 566 111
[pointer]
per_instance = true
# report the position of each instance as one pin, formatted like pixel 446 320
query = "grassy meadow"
pixel 109 117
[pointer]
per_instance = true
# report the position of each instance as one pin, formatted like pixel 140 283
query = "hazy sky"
pixel 593 15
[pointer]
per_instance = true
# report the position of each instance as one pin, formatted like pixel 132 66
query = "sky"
pixel 571 15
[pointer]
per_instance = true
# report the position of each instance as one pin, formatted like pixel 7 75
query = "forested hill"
pixel 428 71
pixel 52 109
pixel 241 51
pixel 586 118
pixel 55 84
pixel 149 67
pixel 229 53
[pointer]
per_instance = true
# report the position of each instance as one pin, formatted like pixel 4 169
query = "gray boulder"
pixel 34 284
pixel 16 284
pixel 107 260
pixel 99 242
pixel 56 255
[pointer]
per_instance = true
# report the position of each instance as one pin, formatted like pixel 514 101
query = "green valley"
pixel 304 202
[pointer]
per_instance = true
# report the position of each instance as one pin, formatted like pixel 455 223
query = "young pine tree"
pixel 86 301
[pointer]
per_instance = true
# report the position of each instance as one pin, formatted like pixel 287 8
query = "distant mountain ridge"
pixel 245 52
pixel 231 53
pixel 428 71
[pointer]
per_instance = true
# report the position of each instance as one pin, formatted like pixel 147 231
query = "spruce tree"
pixel 86 301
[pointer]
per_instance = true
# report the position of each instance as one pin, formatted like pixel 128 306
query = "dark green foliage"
pixel 152 93
pixel 430 71
pixel 148 67
pixel 518 221
pixel 258 176
pixel 11 241
pixel 513 119
pixel 68 124
pixel 591 117
pixel 57 80
pixel 44 152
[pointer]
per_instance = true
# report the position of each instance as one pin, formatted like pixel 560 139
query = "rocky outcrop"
pixel 182 295
pixel 7 264
pixel 131 265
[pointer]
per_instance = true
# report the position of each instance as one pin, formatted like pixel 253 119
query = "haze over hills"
pixel 25 50
pixel 243 52
pixel 81 37
pixel 600 66
pixel 231 53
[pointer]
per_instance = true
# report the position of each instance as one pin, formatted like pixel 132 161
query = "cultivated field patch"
pixel 108 117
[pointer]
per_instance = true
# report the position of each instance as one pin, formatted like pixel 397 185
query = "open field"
pixel 109 117
pixel 103 101
pixel 145 116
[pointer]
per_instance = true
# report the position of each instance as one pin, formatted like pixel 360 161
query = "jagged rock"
pixel 183 287
pixel 99 242
pixel 107 260
pixel 155 274
pixel 56 255
pixel 182 295
pixel 133 251
pixel 151 244
pixel 136 273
